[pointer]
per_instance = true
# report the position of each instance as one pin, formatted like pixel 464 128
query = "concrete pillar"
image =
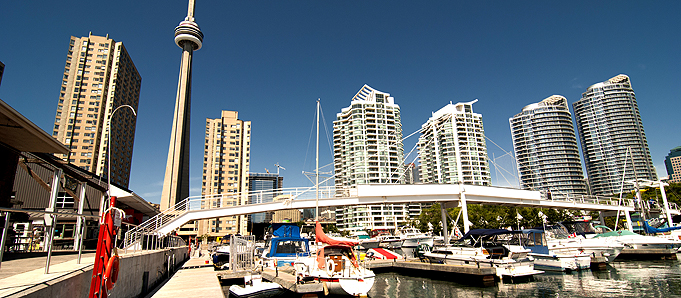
pixel 464 209
pixel 445 233
pixel 628 217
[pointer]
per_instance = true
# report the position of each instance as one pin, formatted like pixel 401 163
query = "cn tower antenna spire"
pixel 190 11
pixel 189 37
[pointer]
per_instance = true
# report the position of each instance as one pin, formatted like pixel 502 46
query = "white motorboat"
pixel 489 248
pixel 254 287
pixel 365 241
pixel 411 239
pixel 632 240
pixel 635 245
pixel 389 241
pixel 556 257
pixel 220 253
pixel 558 236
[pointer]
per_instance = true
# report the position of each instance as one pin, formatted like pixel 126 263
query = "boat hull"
pixel 264 290
pixel 348 286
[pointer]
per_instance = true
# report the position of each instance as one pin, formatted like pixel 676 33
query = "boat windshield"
pixel 291 247
pixel 557 232
pixel 579 227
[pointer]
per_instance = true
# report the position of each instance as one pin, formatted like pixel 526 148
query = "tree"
pixel 492 217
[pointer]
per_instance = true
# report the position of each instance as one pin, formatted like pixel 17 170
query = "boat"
pixel 220 253
pixel 489 248
pixel 389 241
pixel 411 239
pixel 365 241
pixel 556 257
pixel 254 287
pixel 284 246
pixel 633 241
pixel 635 245
pixel 336 266
pixel 558 236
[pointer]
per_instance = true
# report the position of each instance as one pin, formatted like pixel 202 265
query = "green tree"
pixel 492 217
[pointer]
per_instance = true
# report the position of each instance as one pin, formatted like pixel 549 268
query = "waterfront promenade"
pixel 22 276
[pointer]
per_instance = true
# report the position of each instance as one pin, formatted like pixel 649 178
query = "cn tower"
pixel 189 37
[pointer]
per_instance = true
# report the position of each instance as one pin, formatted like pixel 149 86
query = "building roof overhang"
pixel 17 132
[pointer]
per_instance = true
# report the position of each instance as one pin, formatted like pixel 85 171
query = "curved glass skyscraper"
pixel 545 147
pixel 609 122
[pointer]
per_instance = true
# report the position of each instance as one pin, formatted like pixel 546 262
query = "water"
pixel 640 279
pixel 622 279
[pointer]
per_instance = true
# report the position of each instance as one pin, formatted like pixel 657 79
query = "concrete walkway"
pixel 196 277
pixel 22 274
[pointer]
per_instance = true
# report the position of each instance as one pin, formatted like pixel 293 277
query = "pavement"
pixel 196 276
pixel 18 274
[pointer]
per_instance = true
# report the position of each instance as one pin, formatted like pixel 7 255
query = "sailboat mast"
pixel 316 209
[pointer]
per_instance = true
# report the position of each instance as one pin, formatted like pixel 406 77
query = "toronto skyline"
pixel 271 61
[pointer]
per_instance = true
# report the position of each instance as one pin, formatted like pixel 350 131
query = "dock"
pixel 648 254
pixel 599 263
pixel 195 276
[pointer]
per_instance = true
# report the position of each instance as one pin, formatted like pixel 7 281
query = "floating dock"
pixel 648 254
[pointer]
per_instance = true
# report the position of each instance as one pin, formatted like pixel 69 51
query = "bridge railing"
pixel 587 199
pixel 195 203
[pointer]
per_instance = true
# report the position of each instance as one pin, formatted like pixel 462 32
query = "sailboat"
pixel 336 266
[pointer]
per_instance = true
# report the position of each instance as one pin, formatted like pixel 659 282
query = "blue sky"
pixel 271 60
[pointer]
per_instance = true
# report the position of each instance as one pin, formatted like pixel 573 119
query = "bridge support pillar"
pixel 600 217
pixel 445 233
pixel 628 217
pixel 464 208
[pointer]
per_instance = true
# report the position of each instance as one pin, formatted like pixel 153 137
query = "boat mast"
pixel 316 209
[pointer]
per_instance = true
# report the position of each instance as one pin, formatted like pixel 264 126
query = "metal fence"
pixel 241 253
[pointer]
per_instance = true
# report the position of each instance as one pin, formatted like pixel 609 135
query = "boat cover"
pixel 486 232
pixel 649 229
pixel 289 247
pixel 321 237
pixel 285 230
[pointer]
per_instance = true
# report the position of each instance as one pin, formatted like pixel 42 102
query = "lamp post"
pixel 107 230
pixel 108 146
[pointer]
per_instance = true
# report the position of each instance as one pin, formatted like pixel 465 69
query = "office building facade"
pixel 99 76
pixel 612 136
pixel 673 164
pixel 261 186
pixel 452 147
pixel 545 145
pixel 368 149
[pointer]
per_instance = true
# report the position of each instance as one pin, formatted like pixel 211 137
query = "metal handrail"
pixel 215 201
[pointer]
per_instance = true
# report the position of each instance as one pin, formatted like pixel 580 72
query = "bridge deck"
pixel 450 195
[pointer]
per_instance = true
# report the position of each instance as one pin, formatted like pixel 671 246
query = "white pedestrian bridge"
pixel 449 195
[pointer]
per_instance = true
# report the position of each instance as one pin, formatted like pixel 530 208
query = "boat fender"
pixel 111 272
pixel 330 267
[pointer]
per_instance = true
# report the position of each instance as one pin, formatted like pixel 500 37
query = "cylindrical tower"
pixel 546 149
pixel 189 37
pixel 609 122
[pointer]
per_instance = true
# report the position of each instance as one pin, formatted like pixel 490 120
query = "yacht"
pixel 558 236
pixel 490 248
pixel 553 257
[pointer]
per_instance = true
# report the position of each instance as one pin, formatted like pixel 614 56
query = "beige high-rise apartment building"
pixel 99 77
pixel 226 160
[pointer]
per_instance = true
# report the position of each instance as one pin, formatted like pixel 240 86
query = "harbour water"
pixel 621 279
